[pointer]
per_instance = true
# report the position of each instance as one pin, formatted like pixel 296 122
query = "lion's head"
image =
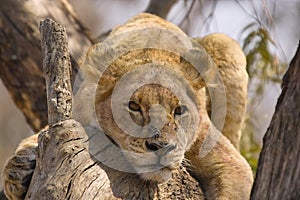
pixel 165 129
pixel 147 88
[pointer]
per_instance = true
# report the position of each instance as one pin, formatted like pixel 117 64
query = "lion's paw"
pixel 19 169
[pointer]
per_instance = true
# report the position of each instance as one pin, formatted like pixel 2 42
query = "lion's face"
pixel 165 130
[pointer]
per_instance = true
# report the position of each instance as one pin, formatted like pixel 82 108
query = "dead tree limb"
pixel 62 156
pixel 278 173
pixel 57 68
pixel 160 8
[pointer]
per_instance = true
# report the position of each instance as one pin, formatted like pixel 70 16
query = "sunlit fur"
pixel 223 173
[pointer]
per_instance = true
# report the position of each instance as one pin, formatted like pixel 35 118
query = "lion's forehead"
pixel 152 94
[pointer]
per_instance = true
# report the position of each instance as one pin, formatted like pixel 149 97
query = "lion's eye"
pixel 134 106
pixel 180 110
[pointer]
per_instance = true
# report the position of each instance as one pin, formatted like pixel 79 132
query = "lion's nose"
pixel 160 148
pixel 155 145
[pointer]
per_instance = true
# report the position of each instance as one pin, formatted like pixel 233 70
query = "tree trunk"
pixel 64 167
pixel 20 51
pixel 278 173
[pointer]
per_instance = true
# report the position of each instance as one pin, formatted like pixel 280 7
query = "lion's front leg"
pixel 223 173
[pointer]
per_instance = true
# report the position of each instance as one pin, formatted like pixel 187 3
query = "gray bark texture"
pixel 278 173
pixel 57 69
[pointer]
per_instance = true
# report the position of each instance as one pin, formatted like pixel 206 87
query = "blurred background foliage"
pixel 263 66
pixel 268 32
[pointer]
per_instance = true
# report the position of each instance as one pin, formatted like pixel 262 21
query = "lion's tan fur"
pixel 223 172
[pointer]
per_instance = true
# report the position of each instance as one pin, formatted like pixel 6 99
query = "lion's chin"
pixel 159 176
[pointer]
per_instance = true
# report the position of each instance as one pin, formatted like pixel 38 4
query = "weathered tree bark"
pixel 64 167
pixel 278 173
pixel 20 51
pixel 57 69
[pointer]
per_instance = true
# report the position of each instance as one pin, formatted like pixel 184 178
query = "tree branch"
pixel 160 8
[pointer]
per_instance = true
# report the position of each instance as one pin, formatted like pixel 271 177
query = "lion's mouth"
pixel 161 175
pixel 157 161
pixel 153 163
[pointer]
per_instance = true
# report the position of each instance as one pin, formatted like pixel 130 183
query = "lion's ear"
pixel 230 61
pixel 225 52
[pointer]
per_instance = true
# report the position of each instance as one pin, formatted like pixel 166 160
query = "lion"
pixel 154 92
